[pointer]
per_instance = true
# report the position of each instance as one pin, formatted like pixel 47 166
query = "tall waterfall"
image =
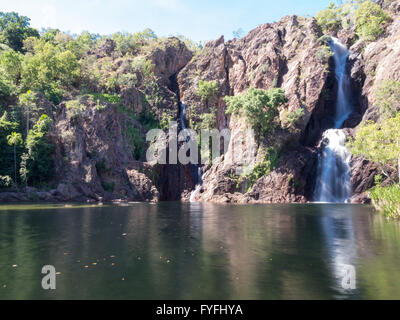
pixel 333 180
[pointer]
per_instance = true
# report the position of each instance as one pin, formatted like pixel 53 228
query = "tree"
pixel 28 101
pixel 51 70
pixel 380 143
pixel 14 29
pixel 7 126
pixel 37 163
pixel 14 139
pixel 329 19
pixel 207 90
pixel 388 97
pixel 370 20
pixel 258 106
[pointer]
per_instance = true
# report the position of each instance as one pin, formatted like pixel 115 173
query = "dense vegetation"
pixel 366 16
pixel 39 70
pixel 380 142
pixel 258 106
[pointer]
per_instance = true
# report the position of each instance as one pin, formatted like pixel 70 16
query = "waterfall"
pixel 182 115
pixel 182 118
pixel 198 186
pixel 333 180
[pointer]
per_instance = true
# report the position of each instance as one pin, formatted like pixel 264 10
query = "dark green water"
pixel 198 251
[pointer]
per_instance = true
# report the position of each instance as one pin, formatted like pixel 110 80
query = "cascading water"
pixel 182 118
pixel 333 181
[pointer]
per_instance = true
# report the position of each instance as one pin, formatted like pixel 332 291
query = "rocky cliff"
pixel 100 155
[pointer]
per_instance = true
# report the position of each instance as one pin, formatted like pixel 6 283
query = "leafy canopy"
pixel 378 142
pixel 207 90
pixel 388 97
pixel 14 29
pixel 258 106
pixel 37 163
pixel 370 20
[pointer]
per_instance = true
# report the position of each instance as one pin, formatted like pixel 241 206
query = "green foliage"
pixel 37 163
pixel 370 20
pixel 135 141
pixel 50 70
pixel 259 107
pixel 329 19
pixel 14 29
pixel 6 153
pixel 207 90
pixel 388 97
pixel 208 121
pixel 263 168
pixel 379 142
pixel 10 72
pixel 5 182
pixel 126 42
pixel 74 108
pixel 165 121
pixel 387 200
pixel 82 44
pixel 14 139
pixel 324 54
pixel 290 119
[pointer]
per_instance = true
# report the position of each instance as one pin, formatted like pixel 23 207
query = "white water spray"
pixel 333 181
pixel 182 118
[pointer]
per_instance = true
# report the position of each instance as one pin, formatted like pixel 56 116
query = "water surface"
pixel 198 251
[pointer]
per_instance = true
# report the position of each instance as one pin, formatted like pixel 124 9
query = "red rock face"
pixel 282 54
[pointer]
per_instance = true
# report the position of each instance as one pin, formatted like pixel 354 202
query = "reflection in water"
pixel 339 240
pixel 198 251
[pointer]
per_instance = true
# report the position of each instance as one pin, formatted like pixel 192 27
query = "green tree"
pixel 13 140
pixel 50 70
pixel 388 97
pixel 37 163
pixel 10 73
pixel 258 106
pixel 141 38
pixel 370 20
pixel 380 143
pixel 14 29
pixel 207 90
pixel 329 19
pixel 28 101
pixel 7 126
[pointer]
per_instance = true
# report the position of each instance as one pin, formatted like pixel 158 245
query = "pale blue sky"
pixel 196 19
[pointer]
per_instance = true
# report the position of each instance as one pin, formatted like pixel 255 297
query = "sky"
pixel 199 20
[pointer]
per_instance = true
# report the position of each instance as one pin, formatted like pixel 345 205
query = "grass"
pixel 387 200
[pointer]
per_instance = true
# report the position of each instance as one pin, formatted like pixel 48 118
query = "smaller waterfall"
pixel 182 118
pixel 198 187
pixel 182 115
pixel 334 183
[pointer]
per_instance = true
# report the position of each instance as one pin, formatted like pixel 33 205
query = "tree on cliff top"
pixel 14 29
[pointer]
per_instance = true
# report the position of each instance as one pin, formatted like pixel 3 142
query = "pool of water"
pixel 198 251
